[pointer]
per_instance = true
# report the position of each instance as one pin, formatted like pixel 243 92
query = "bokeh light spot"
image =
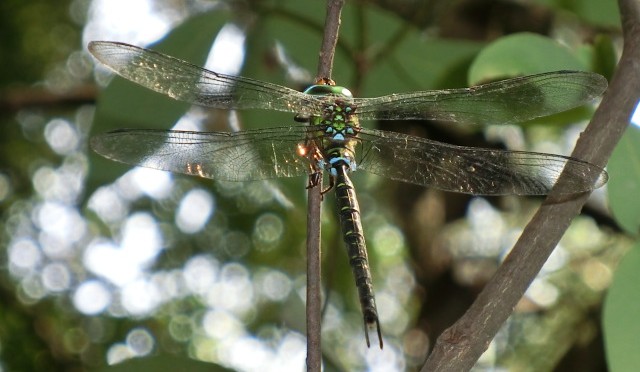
pixel 274 285
pixel 222 325
pixel 61 136
pixel 388 240
pixel 234 290
pixel 268 231
pixel 118 353
pixel 199 273
pixel 181 328
pixel 92 297
pixel 56 277
pixel 140 341
pixel 194 211
pixel 154 183
pixel 542 292
pixel 108 205
pixel 24 254
pixel 140 297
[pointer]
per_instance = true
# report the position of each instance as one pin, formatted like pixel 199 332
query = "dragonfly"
pixel 333 142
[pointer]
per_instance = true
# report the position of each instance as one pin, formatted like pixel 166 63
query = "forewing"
pixel 184 81
pixel 507 101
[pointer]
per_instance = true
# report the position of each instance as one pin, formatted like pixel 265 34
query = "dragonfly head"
pixel 328 90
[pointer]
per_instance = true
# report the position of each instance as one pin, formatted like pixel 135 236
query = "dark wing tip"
pixel 96 46
pixel 597 84
pixel 603 178
pixel 99 144
pixel 101 49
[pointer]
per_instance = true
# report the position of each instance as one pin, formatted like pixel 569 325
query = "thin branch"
pixel 460 346
pixel 20 98
pixel 330 39
pixel 314 300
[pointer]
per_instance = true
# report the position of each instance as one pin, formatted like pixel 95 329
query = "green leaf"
pixel 521 54
pixel 414 66
pixel 605 57
pixel 164 363
pixel 624 183
pixel 410 60
pixel 620 320
pixel 601 13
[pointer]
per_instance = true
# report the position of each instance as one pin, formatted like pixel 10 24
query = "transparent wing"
pixel 471 170
pixel 184 81
pixel 243 156
pixel 506 101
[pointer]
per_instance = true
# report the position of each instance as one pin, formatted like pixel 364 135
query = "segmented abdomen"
pixel 354 239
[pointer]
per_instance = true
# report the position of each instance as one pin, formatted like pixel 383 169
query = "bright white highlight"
pixel 135 21
pixel 635 117
pixel 124 263
pixel 194 211
pixel 92 297
pixel 227 53
pixel 61 136
pixel 154 183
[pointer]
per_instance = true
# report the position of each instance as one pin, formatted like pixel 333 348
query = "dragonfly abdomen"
pixel 352 233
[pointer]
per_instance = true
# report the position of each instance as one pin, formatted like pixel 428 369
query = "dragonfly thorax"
pixel 338 121
pixel 338 128
pixel 338 112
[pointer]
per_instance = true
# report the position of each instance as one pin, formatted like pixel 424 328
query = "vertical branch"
pixel 460 346
pixel 330 39
pixel 314 300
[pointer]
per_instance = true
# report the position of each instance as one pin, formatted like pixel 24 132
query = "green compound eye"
pixel 328 90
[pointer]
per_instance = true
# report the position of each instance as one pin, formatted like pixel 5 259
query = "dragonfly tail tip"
pixel 366 334
pixel 379 333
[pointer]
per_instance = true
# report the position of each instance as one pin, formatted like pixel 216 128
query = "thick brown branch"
pixel 460 346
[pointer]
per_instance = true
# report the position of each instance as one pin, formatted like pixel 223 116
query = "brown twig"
pixel 314 300
pixel 19 98
pixel 460 346
pixel 330 39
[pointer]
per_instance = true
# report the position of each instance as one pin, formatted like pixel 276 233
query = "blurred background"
pixel 106 265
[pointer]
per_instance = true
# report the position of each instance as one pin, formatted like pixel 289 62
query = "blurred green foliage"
pixel 34 36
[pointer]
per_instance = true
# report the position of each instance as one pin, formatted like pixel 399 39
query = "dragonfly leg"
pixel 325 81
pixel 332 182
pixel 314 179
